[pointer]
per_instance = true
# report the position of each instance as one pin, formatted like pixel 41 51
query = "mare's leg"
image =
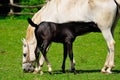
pixel 109 64
pixel 64 58
pixel 44 52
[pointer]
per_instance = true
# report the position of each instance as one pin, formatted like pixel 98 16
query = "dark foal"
pixel 48 32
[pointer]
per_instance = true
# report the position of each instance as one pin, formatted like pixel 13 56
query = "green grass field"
pixel 90 53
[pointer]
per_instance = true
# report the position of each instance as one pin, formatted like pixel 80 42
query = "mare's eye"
pixel 24 55
pixel 24 45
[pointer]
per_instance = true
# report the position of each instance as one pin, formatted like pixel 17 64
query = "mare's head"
pixel 28 62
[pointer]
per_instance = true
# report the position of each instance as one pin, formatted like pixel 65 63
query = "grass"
pixel 89 52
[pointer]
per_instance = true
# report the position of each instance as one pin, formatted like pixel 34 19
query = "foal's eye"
pixel 24 55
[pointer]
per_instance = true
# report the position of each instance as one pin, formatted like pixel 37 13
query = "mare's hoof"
pixel 35 72
pixel 106 72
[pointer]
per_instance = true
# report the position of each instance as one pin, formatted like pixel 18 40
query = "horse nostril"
pixel 24 70
pixel 24 54
pixel 28 69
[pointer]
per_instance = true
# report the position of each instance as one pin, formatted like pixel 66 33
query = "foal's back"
pixel 77 28
pixel 58 32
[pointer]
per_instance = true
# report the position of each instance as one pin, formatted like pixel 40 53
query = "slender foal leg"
pixel 38 68
pixel 41 61
pixel 64 58
pixel 70 51
pixel 44 52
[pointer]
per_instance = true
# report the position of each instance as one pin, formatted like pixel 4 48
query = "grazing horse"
pixel 103 12
pixel 48 32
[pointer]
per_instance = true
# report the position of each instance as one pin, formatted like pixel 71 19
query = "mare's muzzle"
pixel 28 67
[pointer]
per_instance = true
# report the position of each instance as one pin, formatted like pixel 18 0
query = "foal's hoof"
pixel 63 71
pixel 74 71
pixel 50 73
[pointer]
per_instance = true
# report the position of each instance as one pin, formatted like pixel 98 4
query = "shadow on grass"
pixel 77 71
pixel 57 72
pixel 81 71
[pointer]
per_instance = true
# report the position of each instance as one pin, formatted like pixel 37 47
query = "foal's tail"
pixel 32 23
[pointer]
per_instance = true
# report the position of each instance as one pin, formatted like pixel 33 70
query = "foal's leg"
pixel 64 58
pixel 38 68
pixel 44 51
pixel 110 57
pixel 70 51
pixel 41 61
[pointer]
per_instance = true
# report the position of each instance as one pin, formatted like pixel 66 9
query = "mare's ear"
pixel 23 40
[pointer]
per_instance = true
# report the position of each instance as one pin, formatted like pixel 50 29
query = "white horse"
pixel 103 12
